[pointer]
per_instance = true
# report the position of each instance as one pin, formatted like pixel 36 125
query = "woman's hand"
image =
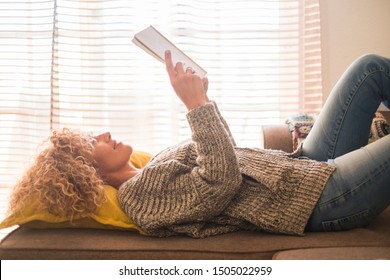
pixel 189 87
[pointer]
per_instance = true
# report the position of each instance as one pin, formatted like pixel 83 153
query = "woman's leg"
pixel 345 121
pixel 359 189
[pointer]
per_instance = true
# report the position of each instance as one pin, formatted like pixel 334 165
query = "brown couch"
pixel 372 242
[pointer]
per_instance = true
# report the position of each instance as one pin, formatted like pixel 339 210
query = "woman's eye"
pixel 94 142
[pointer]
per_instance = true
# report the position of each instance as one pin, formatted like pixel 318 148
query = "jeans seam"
pixel 328 225
pixel 377 172
pixel 347 106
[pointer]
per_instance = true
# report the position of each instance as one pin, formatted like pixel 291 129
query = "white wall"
pixel 351 28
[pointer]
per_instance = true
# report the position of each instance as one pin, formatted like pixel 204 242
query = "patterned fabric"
pixel 379 128
pixel 300 126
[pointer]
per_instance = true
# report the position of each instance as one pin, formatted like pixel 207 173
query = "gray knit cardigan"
pixel 209 186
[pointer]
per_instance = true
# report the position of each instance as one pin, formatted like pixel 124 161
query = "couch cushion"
pixel 343 253
pixel 24 243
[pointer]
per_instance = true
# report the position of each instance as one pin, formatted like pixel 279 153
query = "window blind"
pixel 71 63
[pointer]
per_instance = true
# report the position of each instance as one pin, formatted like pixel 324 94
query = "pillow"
pixel 379 128
pixel 109 216
pixel 300 126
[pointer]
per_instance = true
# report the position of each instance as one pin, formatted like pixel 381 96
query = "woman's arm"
pixel 223 121
pixel 191 89
pixel 191 183
pixel 188 184
pixel 216 156
pixel 188 87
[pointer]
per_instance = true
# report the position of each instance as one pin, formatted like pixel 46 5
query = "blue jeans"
pixel 359 189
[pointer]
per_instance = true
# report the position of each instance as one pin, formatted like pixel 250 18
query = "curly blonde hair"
pixel 63 176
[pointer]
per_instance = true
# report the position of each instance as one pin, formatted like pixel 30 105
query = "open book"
pixel 154 43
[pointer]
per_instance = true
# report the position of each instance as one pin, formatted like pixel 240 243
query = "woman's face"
pixel 110 155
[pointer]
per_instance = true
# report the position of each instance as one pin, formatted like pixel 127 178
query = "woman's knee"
pixel 375 71
pixel 373 62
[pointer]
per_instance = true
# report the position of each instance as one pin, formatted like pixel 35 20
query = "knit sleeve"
pixel 223 121
pixel 217 162
pixel 188 185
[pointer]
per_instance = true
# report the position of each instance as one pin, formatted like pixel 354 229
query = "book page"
pixel 154 43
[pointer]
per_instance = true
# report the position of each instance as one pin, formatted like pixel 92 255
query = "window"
pixel 71 63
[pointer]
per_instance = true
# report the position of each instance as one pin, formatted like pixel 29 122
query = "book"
pixel 154 43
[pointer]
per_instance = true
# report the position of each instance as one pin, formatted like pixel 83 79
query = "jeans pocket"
pixel 357 220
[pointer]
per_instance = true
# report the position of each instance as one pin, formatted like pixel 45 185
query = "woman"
pixel 210 186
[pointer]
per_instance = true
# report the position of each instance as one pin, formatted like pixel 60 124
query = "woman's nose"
pixel 104 137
